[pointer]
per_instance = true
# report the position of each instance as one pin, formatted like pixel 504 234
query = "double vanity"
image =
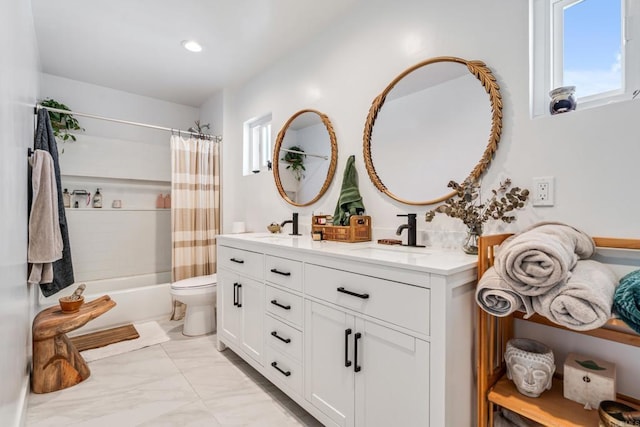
pixel 357 334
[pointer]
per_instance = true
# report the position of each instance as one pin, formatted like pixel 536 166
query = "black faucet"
pixel 411 227
pixel 294 224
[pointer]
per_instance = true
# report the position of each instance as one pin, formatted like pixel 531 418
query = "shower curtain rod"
pixel 214 138
pixel 304 153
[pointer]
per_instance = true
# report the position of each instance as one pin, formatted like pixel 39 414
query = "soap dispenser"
pixel 97 199
pixel 66 198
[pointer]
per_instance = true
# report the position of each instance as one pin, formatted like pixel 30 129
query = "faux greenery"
pixel 61 123
pixel 466 207
pixel 296 161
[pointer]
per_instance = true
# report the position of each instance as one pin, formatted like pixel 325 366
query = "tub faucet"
pixel 411 230
pixel 294 225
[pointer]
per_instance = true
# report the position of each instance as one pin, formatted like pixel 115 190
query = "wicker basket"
pixel 358 230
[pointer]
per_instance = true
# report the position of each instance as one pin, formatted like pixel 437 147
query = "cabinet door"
pixel 251 299
pixel 328 382
pixel 229 325
pixel 392 385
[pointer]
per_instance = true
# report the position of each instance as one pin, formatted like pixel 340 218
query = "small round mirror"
pixel 305 157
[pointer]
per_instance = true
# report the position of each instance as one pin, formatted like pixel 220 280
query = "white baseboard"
pixel 17 417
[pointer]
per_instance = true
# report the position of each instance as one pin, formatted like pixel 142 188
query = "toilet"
pixel 199 294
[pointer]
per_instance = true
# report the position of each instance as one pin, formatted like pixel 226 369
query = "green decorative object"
pixel 590 364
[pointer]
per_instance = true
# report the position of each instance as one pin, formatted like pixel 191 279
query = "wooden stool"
pixel 57 364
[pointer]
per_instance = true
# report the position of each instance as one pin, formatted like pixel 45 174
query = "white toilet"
pixel 199 294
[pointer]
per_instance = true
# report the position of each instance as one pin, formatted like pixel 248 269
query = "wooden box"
pixel 358 230
pixel 589 381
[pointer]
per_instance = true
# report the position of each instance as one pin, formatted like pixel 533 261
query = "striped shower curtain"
pixel 195 206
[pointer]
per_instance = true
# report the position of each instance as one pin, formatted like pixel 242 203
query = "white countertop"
pixel 428 260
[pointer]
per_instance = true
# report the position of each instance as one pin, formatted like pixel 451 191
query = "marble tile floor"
pixel 182 382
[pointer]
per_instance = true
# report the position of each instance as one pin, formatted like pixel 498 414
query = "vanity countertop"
pixel 428 260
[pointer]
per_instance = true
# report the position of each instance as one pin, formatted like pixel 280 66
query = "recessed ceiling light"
pixel 191 45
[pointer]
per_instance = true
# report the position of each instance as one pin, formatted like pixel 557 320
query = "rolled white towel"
pixel 584 301
pixel 542 256
pixel 496 297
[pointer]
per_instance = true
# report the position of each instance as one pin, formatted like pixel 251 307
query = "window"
pixel 588 44
pixel 257 144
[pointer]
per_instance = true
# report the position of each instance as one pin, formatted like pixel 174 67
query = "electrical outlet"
pixel 543 188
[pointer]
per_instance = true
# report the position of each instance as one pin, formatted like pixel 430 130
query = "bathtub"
pixel 138 298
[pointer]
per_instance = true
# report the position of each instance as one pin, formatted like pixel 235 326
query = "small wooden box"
pixel 358 230
pixel 588 380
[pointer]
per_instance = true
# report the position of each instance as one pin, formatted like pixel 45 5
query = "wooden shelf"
pixel 549 409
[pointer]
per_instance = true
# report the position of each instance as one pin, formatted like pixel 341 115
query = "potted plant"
pixel 295 158
pixel 61 123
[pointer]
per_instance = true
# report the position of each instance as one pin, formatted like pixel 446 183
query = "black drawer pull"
pixel 356 337
pixel 239 261
pixel 347 362
pixel 284 340
pixel 344 291
pixel 275 302
pixel 239 304
pixel 235 294
pixel 284 273
pixel 285 373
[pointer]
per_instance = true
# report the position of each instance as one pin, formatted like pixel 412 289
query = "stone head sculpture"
pixel 530 365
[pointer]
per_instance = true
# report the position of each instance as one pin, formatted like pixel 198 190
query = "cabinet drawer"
pixel 283 338
pixel 398 303
pixel 284 272
pixel 282 369
pixel 284 304
pixel 244 262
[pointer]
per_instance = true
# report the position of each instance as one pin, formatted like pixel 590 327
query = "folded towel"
pixel 350 201
pixel 45 240
pixel 542 256
pixel 496 297
pixel 584 301
pixel 626 300
pixel 62 268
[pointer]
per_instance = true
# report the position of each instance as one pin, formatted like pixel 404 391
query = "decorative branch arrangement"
pixel 464 205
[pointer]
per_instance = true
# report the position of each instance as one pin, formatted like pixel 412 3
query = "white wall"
pixel 128 163
pixel 18 90
pixel 593 153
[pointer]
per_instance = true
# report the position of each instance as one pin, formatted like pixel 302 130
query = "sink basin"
pixel 394 253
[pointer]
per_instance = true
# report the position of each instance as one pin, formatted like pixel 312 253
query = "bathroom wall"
pixel 591 153
pixel 18 90
pixel 128 163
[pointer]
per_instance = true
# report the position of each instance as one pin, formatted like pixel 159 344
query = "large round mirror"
pixel 430 126
pixel 305 157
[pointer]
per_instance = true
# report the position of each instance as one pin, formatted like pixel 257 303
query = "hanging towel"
pixel 62 268
pixel 584 301
pixel 542 256
pixel 626 300
pixel 496 297
pixel 45 240
pixel 350 201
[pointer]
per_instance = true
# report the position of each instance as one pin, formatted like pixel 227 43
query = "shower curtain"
pixel 195 208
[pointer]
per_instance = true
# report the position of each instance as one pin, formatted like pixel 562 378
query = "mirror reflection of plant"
pixel 296 161
pixel 61 123
pixel 464 205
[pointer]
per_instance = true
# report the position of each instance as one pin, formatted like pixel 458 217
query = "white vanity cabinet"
pixel 241 300
pixel 356 337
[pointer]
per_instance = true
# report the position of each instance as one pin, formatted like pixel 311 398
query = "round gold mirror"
pixel 430 126
pixel 305 157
